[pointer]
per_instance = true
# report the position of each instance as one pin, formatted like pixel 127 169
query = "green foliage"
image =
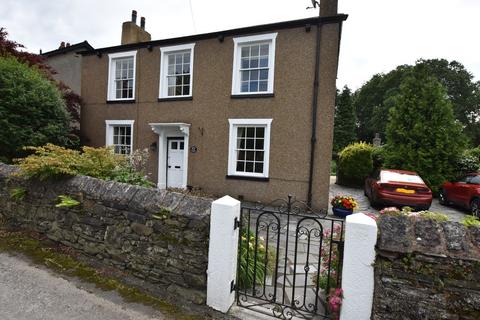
pixel 355 163
pixel 378 157
pixel 333 167
pixel 345 120
pixel 18 194
pixel 439 217
pixel 463 93
pixel 32 111
pixel 249 270
pixel 422 133
pixel 51 161
pixel 66 202
pixel 466 164
pixel 471 221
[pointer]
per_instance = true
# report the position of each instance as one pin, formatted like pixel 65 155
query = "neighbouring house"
pixel 66 61
pixel 230 112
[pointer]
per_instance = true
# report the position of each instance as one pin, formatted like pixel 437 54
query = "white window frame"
pixel 232 157
pixel 163 85
pixel 238 43
pixel 111 74
pixel 109 124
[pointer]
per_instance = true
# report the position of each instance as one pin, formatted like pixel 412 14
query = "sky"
pixel 378 35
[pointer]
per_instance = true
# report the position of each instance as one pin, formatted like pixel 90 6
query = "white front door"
pixel 176 153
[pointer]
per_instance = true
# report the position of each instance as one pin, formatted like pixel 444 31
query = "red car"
pixel 464 192
pixel 398 188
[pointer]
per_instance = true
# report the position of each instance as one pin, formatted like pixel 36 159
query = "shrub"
pixel 264 261
pixel 378 157
pixel 471 221
pixel 32 111
pixel 66 202
pixel 355 163
pixel 51 161
pixel 466 164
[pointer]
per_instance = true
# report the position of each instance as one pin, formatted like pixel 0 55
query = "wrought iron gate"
pixel 289 258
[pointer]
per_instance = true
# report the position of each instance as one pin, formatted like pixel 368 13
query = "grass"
pixel 64 260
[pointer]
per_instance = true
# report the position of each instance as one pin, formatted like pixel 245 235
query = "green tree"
pixel 345 120
pixel 463 93
pixel 32 111
pixel 422 133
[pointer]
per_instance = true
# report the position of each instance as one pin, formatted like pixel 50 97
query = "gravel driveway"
pixel 453 213
pixel 28 292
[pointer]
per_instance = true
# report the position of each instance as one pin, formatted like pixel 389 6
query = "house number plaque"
pixel 193 149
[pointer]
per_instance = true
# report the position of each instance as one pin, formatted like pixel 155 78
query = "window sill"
pixel 175 99
pixel 260 179
pixel 252 95
pixel 121 101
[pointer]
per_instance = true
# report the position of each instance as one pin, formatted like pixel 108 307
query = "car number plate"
pixel 407 191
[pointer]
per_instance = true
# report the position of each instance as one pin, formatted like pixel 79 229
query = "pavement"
pixel 453 213
pixel 28 292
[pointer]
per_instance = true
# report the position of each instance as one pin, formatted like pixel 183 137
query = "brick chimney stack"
pixel 132 33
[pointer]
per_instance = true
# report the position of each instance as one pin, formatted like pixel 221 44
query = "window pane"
pixel 244 87
pixel 186 68
pixel 171 69
pixel 240 166
pixel 171 59
pixel 255 51
pixel 263 62
pixel 258 167
pixel 186 90
pixel 251 132
pixel 264 74
pixel 263 86
pixel 250 143
pixel 240 143
pixel 259 155
pixel 249 167
pixel 241 132
pixel 254 63
pixel 178 69
pixel 254 75
pixel 245 63
pixel 253 86
pixel 178 91
pixel 250 155
pixel 264 49
pixel 171 81
pixel 241 155
pixel 174 145
pixel 260 132
pixel 182 145
pixel 259 144
pixel 245 51
pixel 171 91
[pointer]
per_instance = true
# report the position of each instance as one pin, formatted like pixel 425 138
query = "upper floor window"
pixel 119 134
pixel 176 71
pixel 253 64
pixel 249 147
pixel 121 78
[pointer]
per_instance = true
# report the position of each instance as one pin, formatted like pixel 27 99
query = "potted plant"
pixel 343 206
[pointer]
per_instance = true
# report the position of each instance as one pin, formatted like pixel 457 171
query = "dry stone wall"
pixel 426 270
pixel 157 235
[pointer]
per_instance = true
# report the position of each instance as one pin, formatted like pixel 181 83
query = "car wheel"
pixel 475 207
pixel 442 197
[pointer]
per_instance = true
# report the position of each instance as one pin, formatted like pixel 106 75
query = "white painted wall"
pixel 222 253
pixel 357 272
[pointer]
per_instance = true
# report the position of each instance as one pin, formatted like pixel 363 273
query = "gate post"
pixel 357 271
pixel 222 253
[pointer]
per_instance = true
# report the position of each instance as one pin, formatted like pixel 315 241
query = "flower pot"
pixel 342 213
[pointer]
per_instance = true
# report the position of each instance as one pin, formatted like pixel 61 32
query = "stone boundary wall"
pixel 157 235
pixel 426 270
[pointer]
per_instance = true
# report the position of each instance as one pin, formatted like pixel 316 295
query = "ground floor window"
pixel 119 134
pixel 249 147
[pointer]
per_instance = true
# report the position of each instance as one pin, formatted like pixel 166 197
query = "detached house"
pixel 230 112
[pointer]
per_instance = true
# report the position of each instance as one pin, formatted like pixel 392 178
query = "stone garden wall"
pixel 157 235
pixel 426 270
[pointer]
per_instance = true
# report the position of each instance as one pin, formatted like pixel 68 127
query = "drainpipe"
pixel 313 140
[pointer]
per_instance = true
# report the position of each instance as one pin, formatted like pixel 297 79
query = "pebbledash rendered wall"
pixel 426 270
pixel 159 236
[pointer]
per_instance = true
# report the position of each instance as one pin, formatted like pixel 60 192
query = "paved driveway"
pixel 28 292
pixel 453 213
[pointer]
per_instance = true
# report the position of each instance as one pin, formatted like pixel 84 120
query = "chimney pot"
pixel 62 45
pixel 134 16
pixel 142 23
pixel 68 44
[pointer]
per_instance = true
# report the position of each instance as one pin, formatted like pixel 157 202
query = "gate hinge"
pixel 233 286
pixel 236 223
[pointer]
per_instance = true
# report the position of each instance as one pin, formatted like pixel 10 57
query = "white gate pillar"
pixel 222 253
pixel 357 271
